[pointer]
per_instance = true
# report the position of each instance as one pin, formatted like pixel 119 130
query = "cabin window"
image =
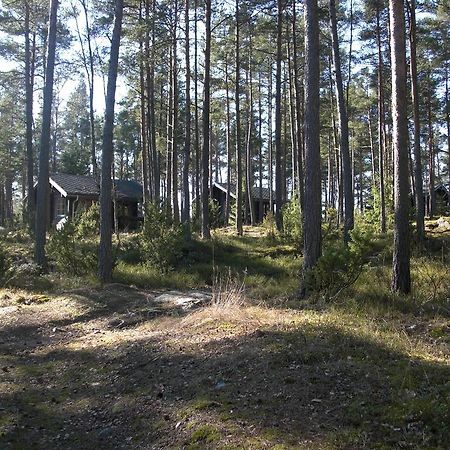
pixel 60 206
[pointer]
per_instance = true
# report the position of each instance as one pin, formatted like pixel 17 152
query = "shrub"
pixel 215 214
pixel 340 266
pixel 71 256
pixel 270 225
pixel 292 222
pixel 87 223
pixel 162 243
pixel 5 264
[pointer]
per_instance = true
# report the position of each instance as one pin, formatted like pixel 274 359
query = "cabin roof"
pixel 439 189
pixel 255 191
pixel 86 186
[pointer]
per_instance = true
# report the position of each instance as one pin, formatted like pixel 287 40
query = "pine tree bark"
pixel 239 227
pixel 29 122
pixel 187 137
pixel 418 181
pixel 152 156
pixel 298 107
pixel 105 253
pixel 401 278
pixel 42 203
pixel 206 234
pixel 174 148
pixel 196 118
pixel 144 131
pixel 343 127
pixel 228 144
pixel 91 74
pixel 169 166
pixel 381 128
pixel 270 138
pixel 312 212
pixel 278 148
pixel 431 156
pixel 260 152
pixel 447 118
pixel 249 159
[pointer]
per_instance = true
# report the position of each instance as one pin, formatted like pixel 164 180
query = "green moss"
pixel 205 434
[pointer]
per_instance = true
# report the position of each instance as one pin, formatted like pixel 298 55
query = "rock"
pixel 443 224
pixel 105 433
pixel 185 300
pixel 220 385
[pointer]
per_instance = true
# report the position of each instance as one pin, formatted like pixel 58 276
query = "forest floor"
pixel 113 367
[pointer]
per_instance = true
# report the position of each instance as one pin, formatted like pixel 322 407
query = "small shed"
pixel 442 200
pixel 72 194
pixel 219 194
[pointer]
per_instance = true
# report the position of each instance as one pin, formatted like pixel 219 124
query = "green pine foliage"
pixel 162 242
pixel 70 254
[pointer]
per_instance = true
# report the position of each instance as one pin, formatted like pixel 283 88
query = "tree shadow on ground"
pixel 309 386
pixel 115 306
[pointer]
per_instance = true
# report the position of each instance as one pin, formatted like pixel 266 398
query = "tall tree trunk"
pixel 350 54
pixel 9 209
pixel 260 155
pixel 239 227
pixel 312 212
pixel 2 205
pixel 29 121
pixel 372 148
pixel 418 182
pixel 144 131
pixel 292 125
pixel 338 156
pixel 298 107
pixel 343 127
pixel 228 144
pixel 175 206
pixel 90 75
pixel 381 129
pixel 401 279
pixel 187 137
pixel 431 156
pixel 206 234
pixel 196 118
pixel 105 253
pixel 146 152
pixel 151 111
pixel 278 149
pixel 42 216
pixel 169 165
pixel 447 119
pixel 270 140
pixel 249 159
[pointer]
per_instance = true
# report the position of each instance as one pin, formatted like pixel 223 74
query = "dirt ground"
pixel 113 369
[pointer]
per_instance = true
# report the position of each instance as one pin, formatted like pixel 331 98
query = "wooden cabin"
pixel 442 200
pixel 72 194
pixel 219 194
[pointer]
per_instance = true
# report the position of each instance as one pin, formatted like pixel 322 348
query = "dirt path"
pixel 117 368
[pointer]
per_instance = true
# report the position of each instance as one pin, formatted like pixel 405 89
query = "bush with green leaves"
pixel 162 242
pixel 87 223
pixel 216 219
pixel 215 214
pixel 5 264
pixel 70 254
pixel 292 222
pixel 270 225
pixel 341 265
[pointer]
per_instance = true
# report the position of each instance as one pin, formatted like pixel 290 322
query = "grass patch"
pixel 206 434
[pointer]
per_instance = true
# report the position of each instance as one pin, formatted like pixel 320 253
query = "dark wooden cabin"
pixel 219 194
pixel 72 194
pixel 442 200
